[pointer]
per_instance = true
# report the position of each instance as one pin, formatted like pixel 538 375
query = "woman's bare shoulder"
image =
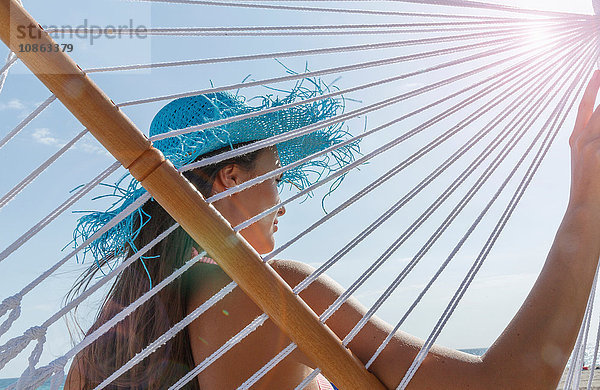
pixel 401 350
pixel 319 294
pixel 291 270
pixel 294 272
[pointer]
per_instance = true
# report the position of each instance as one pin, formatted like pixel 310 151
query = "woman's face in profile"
pixel 254 200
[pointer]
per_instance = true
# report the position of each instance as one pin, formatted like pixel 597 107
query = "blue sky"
pixel 495 295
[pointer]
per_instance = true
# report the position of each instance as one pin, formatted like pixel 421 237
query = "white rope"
pixel 578 354
pixel 10 60
pixel 14 301
pixel 298 132
pixel 339 69
pixel 355 197
pixel 492 6
pixel 113 222
pixel 58 379
pixel 172 332
pixel 435 205
pixel 303 27
pixel 14 305
pixel 34 359
pixel 8 64
pixel 34 375
pixel 267 367
pixel 307 30
pixel 310 128
pixel 13 347
pixel 308 379
pixel 56 212
pixel 225 28
pixel 463 202
pixel 575 360
pixel 585 326
pixel 102 329
pixel 320 124
pixel 312 277
pixel 278 171
pixel 26 121
pixel 33 175
pixel 23 341
pixel 388 338
pixel 509 88
pixel 56 370
pixel 360 11
pixel 304 53
pixel 302 33
pixel 422 354
pixel 477 265
pixel 285 54
pixel 325 123
pixel 595 358
pixel 106 278
pixel 322 317
pixel 258 321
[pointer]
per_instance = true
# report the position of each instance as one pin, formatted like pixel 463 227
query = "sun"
pixel 543 35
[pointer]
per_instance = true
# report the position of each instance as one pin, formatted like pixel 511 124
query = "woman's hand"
pixel 585 152
pixel 545 329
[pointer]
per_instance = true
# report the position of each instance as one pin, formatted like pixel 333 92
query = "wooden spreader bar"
pixel 130 146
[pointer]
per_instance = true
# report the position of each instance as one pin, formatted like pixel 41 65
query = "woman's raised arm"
pixel 533 350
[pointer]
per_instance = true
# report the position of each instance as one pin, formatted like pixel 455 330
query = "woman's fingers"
pixel 585 148
pixel 586 107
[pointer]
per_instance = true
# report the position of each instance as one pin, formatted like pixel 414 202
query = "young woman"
pixel 531 353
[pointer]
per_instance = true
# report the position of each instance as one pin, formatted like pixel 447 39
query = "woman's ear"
pixel 229 176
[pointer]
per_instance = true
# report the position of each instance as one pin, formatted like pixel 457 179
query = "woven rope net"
pixel 461 110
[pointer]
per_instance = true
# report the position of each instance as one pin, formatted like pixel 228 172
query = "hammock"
pixel 457 105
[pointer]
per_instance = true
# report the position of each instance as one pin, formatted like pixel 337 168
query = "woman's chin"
pixel 266 247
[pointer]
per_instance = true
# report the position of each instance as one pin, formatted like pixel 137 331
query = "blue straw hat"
pixel 187 148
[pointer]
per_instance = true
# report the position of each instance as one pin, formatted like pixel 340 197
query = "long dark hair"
pixel 122 342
